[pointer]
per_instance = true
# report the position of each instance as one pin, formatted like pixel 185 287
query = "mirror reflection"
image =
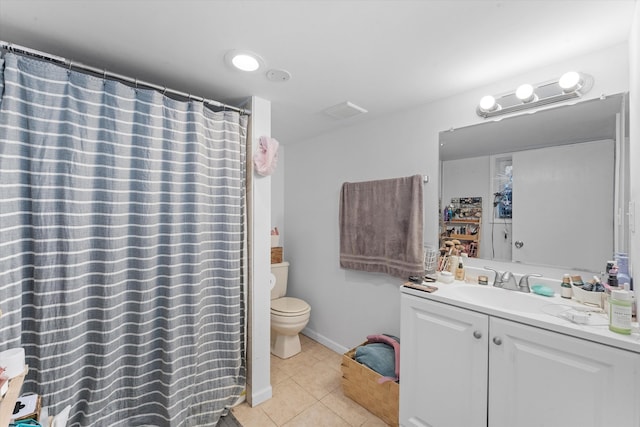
pixel 545 188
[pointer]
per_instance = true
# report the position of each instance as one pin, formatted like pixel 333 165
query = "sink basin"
pixel 502 299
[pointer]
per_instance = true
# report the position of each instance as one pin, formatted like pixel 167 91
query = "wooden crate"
pixel 360 384
pixel 276 255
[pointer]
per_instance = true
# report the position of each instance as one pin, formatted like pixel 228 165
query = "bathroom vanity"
pixel 475 355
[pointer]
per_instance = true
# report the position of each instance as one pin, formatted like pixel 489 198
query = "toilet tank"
pixel 280 272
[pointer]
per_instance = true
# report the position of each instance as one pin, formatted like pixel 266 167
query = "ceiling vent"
pixel 344 110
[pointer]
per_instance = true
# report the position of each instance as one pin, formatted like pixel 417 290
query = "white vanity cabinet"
pixel 464 368
pixel 443 365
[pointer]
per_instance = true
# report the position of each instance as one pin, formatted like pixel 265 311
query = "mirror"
pixel 552 184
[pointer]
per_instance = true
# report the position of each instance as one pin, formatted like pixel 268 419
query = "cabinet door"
pixel 443 365
pixel 541 378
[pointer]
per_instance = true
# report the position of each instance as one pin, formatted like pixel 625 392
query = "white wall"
pixel 277 194
pixel 259 304
pixel 471 177
pixel 348 305
pixel 634 150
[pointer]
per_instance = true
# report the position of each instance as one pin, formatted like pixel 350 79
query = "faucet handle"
pixel 524 281
pixel 497 281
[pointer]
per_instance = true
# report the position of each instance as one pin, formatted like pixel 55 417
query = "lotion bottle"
pixel 620 312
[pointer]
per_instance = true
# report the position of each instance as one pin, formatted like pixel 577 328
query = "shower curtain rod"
pixel 107 74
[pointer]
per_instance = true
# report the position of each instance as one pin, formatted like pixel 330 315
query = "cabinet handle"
pixel 477 334
pixel 497 340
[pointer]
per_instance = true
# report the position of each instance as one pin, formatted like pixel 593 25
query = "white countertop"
pixel 596 329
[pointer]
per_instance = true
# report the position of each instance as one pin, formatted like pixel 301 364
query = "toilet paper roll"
pixel 13 362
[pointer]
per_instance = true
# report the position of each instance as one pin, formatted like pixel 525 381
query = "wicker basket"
pixel 276 255
pixel 360 384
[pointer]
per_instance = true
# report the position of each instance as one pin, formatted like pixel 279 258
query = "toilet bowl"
pixel 289 315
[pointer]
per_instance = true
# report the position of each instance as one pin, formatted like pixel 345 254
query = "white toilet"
pixel 288 315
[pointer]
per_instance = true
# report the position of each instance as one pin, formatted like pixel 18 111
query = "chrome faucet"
pixel 507 280
pixel 497 280
pixel 524 282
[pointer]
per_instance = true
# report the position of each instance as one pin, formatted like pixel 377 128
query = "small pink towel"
pixel 265 158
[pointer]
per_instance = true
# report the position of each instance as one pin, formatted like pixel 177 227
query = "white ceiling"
pixel 381 55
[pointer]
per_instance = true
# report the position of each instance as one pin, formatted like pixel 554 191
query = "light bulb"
pixel 488 103
pixel 245 62
pixel 570 81
pixel 525 93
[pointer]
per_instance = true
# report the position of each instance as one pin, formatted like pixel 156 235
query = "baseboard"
pixel 262 396
pixel 324 341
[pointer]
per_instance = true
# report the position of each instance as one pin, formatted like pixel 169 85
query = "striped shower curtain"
pixel 121 247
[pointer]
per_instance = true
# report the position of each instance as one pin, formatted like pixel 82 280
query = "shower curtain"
pixel 121 247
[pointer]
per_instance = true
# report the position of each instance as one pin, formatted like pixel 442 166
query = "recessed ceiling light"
pixel 243 60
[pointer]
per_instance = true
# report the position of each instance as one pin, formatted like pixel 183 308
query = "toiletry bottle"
pixel 612 280
pixel 453 263
pixel 620 312
pixel 566 291
pixel 634 306
pixel 460 270
pixel 622 261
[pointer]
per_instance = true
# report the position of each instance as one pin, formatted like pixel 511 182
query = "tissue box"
pixel 360 384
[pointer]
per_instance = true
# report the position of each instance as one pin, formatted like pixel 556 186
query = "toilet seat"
pixel 288 306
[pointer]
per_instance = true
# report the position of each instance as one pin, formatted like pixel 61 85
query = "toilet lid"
pixel 289 306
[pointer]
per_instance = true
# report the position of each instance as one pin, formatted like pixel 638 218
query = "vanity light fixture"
pixel 569 86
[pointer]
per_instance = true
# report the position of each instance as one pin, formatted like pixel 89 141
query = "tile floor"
pixel 307 393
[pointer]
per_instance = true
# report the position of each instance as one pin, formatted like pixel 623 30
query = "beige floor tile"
pixel 346 408
pixel 334 362
pixel 252 417
pixel 278 375
pixel 319 380
pixel 317 415
pixel 307 391
pixel 276 362
pixel 374 422
pixel 300 362
pixel 322 353
pixel 289 400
